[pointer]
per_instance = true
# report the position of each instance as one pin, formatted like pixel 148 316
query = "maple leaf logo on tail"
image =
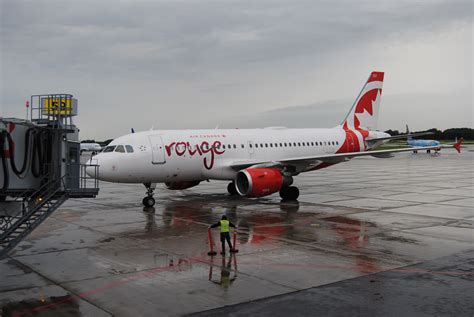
pixel 363 115
pixel 365 110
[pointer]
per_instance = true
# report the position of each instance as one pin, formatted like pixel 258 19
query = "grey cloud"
pixel 162 39
pixel 424 111
pixel 148 61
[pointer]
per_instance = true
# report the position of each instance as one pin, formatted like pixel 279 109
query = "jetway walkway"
pixel 50 172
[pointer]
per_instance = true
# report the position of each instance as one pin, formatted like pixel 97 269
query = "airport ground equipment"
pixel 40 166
pixel 234 249
pixel 212 244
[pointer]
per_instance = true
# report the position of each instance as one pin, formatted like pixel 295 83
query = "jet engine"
pixel 258 182
pixel 181 185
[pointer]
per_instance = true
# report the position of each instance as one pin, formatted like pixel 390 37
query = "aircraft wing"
pixel 309 161
pixel 400 136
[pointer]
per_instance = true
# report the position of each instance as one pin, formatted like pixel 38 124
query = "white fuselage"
pixel 159 156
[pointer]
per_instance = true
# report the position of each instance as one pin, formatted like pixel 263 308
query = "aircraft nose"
pixel 92 166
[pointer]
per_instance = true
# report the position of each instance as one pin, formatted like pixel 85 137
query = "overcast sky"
pixel 202 64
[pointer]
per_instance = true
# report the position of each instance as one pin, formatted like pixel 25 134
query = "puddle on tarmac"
pixel 54 306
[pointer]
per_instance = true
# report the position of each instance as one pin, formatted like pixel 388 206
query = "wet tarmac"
pixel 405 223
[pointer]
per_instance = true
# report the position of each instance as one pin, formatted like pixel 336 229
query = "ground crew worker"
pixel 224 223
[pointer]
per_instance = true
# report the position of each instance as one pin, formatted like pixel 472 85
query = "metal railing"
pixel 83 184
pixel 55 110
pixel 25 222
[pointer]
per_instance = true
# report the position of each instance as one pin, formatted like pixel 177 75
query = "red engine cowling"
pixel 258 182
pixel 181 185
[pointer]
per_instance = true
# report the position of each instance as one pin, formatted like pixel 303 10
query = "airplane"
pixel 417 143
pixel 257 162
pixel 90 147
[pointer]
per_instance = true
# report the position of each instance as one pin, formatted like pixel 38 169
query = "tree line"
pixel 448 134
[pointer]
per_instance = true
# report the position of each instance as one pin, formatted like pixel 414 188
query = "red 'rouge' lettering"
pixel 200 149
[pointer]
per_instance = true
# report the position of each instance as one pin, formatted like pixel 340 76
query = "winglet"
pixel 457 145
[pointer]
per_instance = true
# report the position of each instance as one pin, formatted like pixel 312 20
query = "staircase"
pixel 36 208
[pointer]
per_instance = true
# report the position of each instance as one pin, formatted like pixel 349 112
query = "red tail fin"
pixel 365 110
pixel 457 146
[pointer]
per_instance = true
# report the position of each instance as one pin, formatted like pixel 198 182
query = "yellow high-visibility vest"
pixel 224 226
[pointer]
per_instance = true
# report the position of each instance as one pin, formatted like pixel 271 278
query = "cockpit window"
pixel 120 149
pixel 109 149
pixel 129 148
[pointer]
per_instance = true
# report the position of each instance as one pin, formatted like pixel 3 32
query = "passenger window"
pixel 299 144
pixel 261 144
pixel 256 144
pixel 129 148
pixel 235 146
pixel 271 144
pixel 250 145
pixel 242 146
pixel 109 149
pixel 285 144
pixel 312 143
pixel 266 144
pixel 281 144
pixel 223 146
pixel 289 144
pixel 321 143
pixel 120 149
pixel 325 143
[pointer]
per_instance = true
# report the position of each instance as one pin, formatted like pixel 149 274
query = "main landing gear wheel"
pixel 289 193
pixel 149 201
pixel 231 189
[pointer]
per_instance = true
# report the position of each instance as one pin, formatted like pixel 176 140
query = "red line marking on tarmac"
pixel 204 259
pixel 147 274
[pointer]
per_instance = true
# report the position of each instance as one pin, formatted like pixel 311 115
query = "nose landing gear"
pixel 148 200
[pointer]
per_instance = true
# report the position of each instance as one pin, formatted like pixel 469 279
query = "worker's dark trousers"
pixel 225 236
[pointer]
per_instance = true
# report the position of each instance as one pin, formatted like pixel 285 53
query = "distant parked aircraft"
pixel 90 147
pixel 420 143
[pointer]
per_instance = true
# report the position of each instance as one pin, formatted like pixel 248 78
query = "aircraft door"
pixel 73 157
pixel 157 149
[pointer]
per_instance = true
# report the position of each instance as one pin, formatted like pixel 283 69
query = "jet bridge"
pixel 40 166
